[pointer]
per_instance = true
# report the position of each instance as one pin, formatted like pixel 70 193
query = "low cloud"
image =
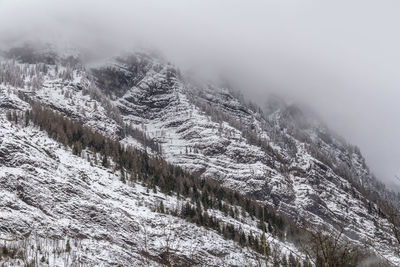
pixel 341 58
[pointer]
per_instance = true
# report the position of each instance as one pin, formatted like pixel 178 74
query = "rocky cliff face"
pixel 286 157
pixel 50 197
pixel 282 155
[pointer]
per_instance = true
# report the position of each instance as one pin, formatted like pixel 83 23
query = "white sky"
pixel 340 57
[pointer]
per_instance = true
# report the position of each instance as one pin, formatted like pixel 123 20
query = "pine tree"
pixel 77 149
pixel 26 118
pixel 95 158
pixel 68 246
pixel 15 117
pixel 9 115
pixel 292 261
pixel 105 161
pixel 161 208
pixel 123 176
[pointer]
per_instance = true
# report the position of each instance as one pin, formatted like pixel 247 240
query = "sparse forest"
pixel 292 129
pixel 204 193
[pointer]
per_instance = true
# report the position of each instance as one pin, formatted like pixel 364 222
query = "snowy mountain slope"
pixel 284 157
pixel 191 139
pixel 297 183
pixel 50 196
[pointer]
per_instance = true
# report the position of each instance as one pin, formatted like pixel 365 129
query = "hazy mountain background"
pixel 339 57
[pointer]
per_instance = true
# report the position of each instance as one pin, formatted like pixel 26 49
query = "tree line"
pixel 154 172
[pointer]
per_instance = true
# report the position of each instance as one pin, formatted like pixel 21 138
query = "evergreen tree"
pixel 161 208
pixel 68 246
pixel 123 176
pixel 9 115
pixel 104 163
pixel 292 262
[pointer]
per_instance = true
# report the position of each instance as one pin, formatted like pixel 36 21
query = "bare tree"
pixel 330 250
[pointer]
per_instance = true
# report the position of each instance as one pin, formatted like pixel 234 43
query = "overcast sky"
pixel 340 57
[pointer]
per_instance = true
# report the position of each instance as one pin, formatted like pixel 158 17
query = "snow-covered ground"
pixel 304 187
pixel 49 196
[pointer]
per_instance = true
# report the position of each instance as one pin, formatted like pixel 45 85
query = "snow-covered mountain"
pixel 281 155
pixel 53 197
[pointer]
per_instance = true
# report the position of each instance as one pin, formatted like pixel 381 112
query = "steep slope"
pixel 50 197
pixel 283 156
pixel 286 158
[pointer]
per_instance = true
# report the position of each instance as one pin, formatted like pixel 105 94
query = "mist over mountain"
pixel 339 57
pixel 238 133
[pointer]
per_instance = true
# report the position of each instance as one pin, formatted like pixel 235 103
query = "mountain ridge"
pixel 296 166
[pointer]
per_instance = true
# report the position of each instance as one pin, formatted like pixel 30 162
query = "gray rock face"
pixel 46 202
pixel 283 155
pixel 286 156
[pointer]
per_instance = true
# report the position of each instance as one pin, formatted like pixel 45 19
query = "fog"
pixel 339 57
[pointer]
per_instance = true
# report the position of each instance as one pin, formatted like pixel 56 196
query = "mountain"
pixel 281 156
